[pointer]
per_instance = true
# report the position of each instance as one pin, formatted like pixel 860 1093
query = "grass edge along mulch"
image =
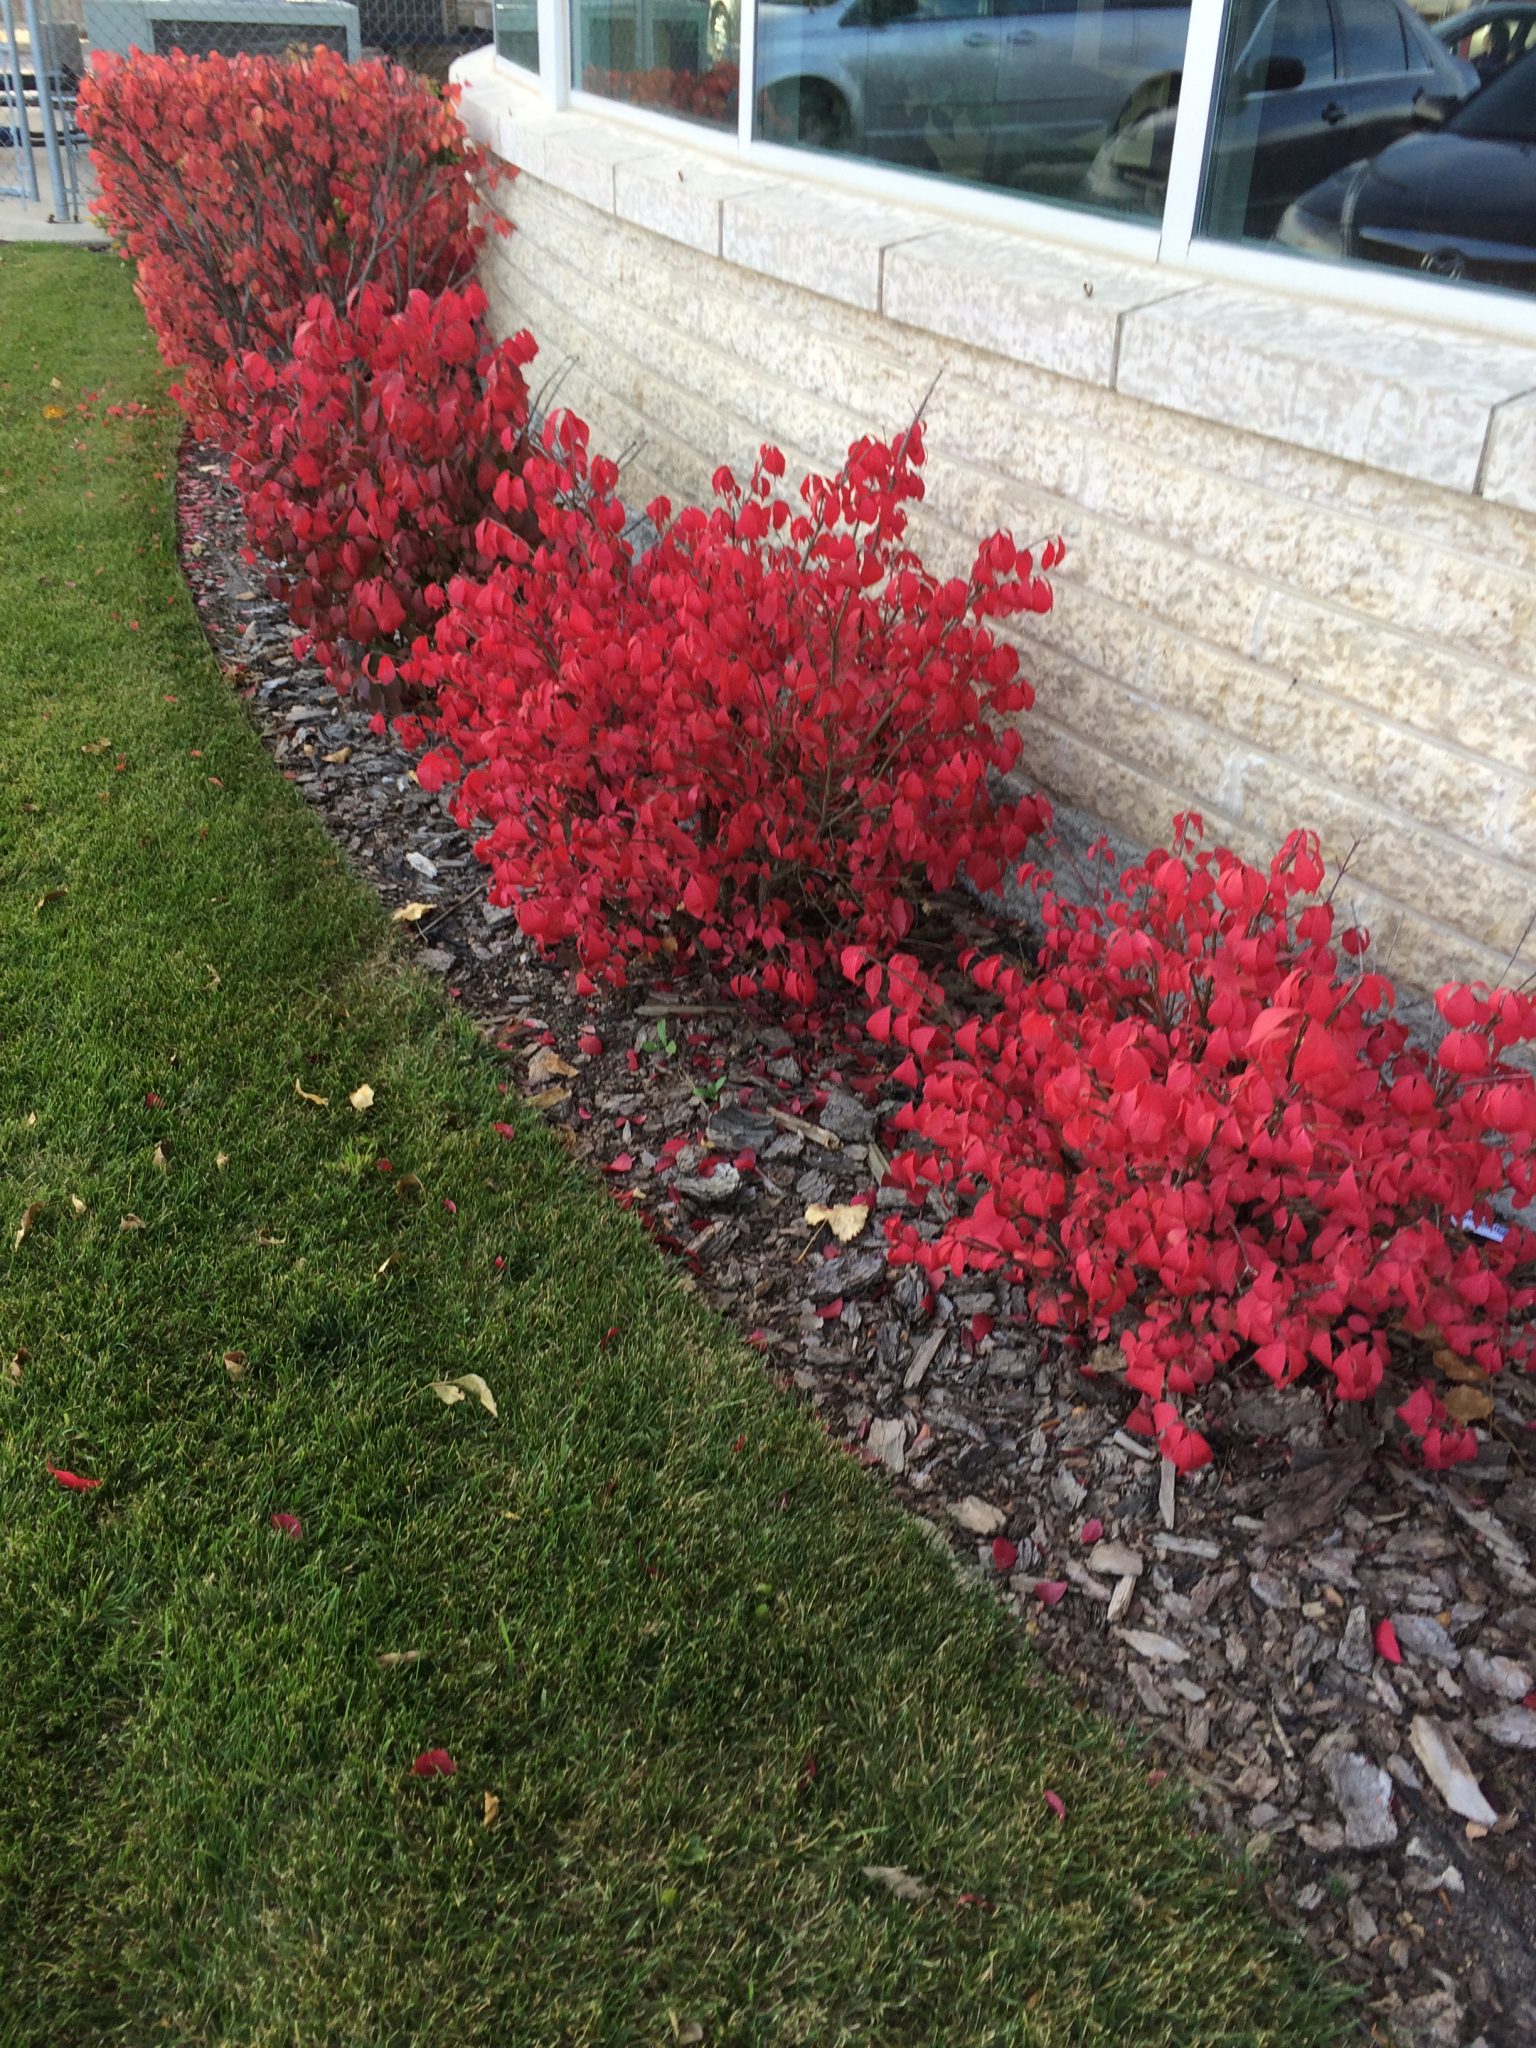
pixel 695 1672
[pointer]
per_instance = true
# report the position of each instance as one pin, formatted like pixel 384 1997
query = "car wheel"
pixel 813 113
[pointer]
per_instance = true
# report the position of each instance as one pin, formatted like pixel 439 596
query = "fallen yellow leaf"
pixel 448 1391
pixel 322 1101
pixel 77 1205
pixel 161 1161
pixel 341 756
pixel 361 1098
pixel 472 1383
pixel 408 1184
pixel 549 1098
pixel 491 1809
pixel 845 1219
pixel 53 412
pixel 234 1363
pixel 262 1237
pixel 379 1271
pixel 391 1660
pixel 29 1216
pixel 48 896
pixel 19 1358
pixel 547 1065
pixel 130 1222
pixel 101 746
pixel 411 913
pixel 1468 1404
pixel 215 980
pixel 221 1160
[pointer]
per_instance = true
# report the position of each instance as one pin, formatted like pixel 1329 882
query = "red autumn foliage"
pixel 244 186
pixel 706 95
pixel 1199 1129
pixel 769 730
pixel 368 460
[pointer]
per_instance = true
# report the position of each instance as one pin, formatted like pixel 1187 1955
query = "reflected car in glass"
pixel 1491 38
pixel 1458 202
pixel 1016 93
pixel 1316 85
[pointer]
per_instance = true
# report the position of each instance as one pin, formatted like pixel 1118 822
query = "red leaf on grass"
pixel 1386 1642
pixel 1056 1803
pixel 73 1480
pixel 504 1130
pixel 287 1525
pixel 434 1763
pixel 1049 1591
pixel 1005 1554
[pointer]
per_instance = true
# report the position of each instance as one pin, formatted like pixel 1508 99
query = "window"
pixel 1413 153
pixel 1372 134
pixel 681 56
pixel 517 32
pixel 1020 95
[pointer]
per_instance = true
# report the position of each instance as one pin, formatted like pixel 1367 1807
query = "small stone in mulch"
pixel 1362 1791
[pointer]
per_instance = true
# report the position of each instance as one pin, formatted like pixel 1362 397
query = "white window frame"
pixel 1176 243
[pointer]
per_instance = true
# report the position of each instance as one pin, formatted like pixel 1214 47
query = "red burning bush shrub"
pixel 769 731
pixel 244 186
pixel 367 461
pixel 1198 1129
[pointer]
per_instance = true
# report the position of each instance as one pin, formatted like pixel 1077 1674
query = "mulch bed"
pixel 1230 1618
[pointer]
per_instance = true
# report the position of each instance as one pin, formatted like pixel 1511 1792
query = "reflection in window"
pixel 517 32
pixel 1380 132
pixel 677 55
pixel 1022 95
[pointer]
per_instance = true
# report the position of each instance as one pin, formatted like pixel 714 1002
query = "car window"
pixel 926 10
pixel 1505 110
pixel 1291 31
pixel 1374 43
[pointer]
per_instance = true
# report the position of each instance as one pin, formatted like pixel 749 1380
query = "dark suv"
pixel 1316 85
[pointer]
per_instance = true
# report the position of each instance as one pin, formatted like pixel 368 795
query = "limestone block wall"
pixel 1301 579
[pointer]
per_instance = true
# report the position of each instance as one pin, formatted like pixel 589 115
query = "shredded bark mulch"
pixel 1386 1807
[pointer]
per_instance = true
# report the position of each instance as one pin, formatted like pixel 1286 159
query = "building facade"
pixel 1240 300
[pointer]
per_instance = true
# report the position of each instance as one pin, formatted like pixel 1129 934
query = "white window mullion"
pixel 555 52
pixel 1197 107
pixel 747 62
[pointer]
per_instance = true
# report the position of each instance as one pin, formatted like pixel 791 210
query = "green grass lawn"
pixel 209 1828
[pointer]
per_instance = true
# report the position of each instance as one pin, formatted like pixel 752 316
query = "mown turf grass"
pixel 632 1632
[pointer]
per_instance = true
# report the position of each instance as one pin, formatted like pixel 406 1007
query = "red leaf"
pixel 287 1525
pixel 504 1130
pixel 383 1166
pixel 1005 1554
pixel 434 1763
pixel 1386 1642
pixel 590 1044
pixel 1091 1530
pixel 1056 1803
pixel 1049 1591
pixel 621 1162
pixel 73 1480
pixel 830 1310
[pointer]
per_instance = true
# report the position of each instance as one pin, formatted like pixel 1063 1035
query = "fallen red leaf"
pixel 1049 1591
pixel 1005 1554
pixel 1091 1530
pixel 287 1525
pixel 808 1770
pixel 450 1206
pixel 622 1162
pixel 152 1101
pixel 740 1445
pixel 73 1480
pixel 590 1044
pixel 383 1166
pixel 1056 1803
pixel 830 1310
pixel 504 1130
pixel 434 1763
pixel 1386 1642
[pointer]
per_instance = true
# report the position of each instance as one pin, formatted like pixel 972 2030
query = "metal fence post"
pixel 20 127
pixel 40 73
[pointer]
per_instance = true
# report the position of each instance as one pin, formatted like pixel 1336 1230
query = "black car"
pixel 1316 84
pixel 1458 202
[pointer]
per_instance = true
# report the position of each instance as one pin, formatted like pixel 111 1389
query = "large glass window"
pixel 681 56
pixel 517 32
pixel 1368 130
pixel 1022 95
